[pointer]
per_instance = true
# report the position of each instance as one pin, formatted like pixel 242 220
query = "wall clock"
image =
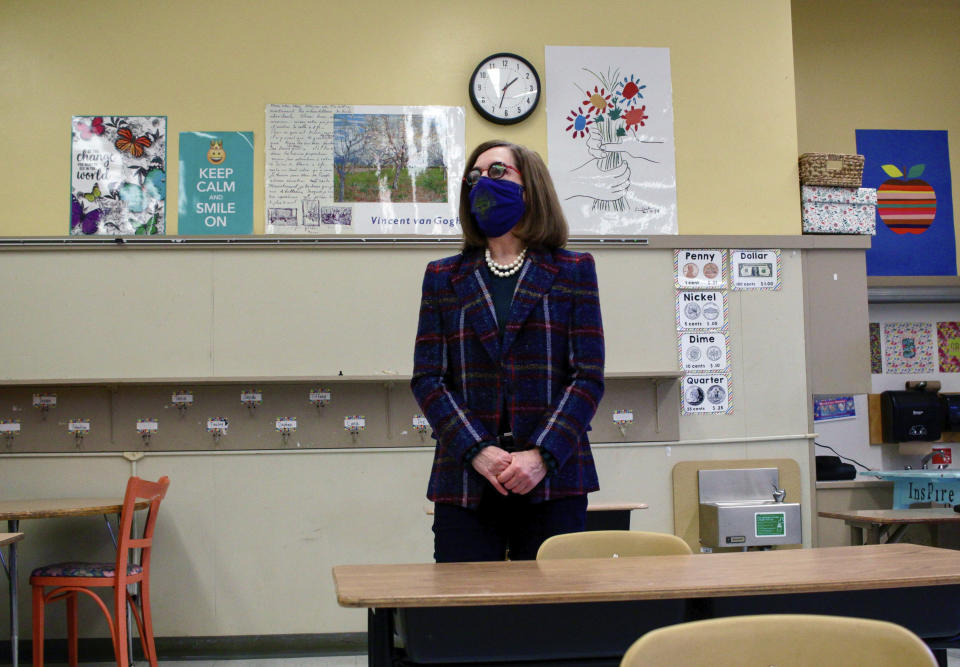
pixel 505 88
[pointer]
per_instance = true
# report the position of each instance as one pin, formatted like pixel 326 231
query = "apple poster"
pixel 915 229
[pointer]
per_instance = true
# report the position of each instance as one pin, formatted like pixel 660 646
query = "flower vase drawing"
pixel 610 138
pixel 608 113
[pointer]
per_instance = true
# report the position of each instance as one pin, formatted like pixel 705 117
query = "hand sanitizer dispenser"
pixel 910 415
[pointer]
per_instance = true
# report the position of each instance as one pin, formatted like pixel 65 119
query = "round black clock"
pixel 505 88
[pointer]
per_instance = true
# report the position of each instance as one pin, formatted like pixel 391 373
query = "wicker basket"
pixel 845 171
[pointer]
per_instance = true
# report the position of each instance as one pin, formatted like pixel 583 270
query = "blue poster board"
pixel 915 227
pixel 837 407
pixel 216 183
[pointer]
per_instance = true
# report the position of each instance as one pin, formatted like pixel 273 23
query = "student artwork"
pixel 910 170
pixel 118 175
pixel 948 343
pixel 610 138
pixel 363 169
pixel 216 183
pixel 876 355
pixel 909 347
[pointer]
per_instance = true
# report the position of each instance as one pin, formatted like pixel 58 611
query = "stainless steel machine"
pixel 746 508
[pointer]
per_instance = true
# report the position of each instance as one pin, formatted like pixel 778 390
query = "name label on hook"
pixel 354 424
pixel 9 426
pixel 183 398
pixel 147 426
pixel 320 396
pixel 78 426
pixel 420 422
pixel 623 417
pixel 286 424
pixel 251 398
pixel 217 425
pixel 44 400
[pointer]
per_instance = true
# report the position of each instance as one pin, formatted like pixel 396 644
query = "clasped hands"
pixel 602 184
pixel 518 472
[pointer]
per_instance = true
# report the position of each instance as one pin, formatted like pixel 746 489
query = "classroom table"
pixel 10 538
pixel 886 526
pixel 46 508
pixel 582 610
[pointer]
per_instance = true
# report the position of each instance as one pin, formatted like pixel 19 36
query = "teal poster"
pixel 216 183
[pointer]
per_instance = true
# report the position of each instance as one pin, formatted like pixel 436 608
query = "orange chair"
pixel 69 579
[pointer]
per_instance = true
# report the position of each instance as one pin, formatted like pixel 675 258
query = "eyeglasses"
pixel 496 171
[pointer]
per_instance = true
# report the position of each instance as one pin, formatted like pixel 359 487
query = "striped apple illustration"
pixel 906 204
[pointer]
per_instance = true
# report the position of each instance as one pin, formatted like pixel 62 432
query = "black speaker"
pixel 832 469
pixel 950 404
pixel 910 415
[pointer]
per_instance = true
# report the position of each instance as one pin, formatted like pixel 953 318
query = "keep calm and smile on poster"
pixel 216 183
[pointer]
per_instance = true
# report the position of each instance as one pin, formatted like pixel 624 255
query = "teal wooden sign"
pixel 920 487
pixel 907 492
pixel 216 183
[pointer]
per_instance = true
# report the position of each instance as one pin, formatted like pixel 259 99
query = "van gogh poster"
pixel 915 229
pixel 341 169
pixel 216 183
pixel 118 175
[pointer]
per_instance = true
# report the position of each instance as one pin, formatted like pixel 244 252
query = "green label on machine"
pixel 771 524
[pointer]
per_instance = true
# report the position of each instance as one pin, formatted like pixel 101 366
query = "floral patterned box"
pixel 828 210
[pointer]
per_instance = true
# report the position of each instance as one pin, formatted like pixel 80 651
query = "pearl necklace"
pixel 505 271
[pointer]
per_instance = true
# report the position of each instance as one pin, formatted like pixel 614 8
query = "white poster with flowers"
pixel 610 138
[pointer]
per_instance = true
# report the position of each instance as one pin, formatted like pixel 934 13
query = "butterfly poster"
pixel 118 175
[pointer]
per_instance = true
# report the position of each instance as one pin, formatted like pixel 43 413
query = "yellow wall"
pixel 863 64
pixel 215 64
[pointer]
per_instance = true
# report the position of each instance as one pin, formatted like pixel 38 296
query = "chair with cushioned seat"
pixel 784 640
pixel 612 544
pixel 68 579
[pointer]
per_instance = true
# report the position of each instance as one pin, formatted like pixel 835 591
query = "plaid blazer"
pixel 550 366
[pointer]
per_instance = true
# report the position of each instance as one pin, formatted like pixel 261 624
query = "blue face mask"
pixel 497 205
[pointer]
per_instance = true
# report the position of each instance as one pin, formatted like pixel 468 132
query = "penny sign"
pixel 699 268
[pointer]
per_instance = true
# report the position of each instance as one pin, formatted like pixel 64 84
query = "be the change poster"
pixel 216 183
pixel 118 175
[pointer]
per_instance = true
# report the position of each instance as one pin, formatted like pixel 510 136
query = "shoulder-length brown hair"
pixel 543 224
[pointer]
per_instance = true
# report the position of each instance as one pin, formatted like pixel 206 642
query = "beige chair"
pixel 611 544
pixel 784 640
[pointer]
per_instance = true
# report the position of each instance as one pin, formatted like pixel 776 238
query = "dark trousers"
pixel 503 525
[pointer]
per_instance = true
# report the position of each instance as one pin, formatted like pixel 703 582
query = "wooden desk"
pixel 45 508
pixel 594 608
pixel 9 538
pixel 887 526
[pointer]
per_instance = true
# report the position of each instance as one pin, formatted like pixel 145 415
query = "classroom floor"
pixel 330 661
pixel 953 660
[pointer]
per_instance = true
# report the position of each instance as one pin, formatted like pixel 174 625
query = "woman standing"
pixel 508 366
